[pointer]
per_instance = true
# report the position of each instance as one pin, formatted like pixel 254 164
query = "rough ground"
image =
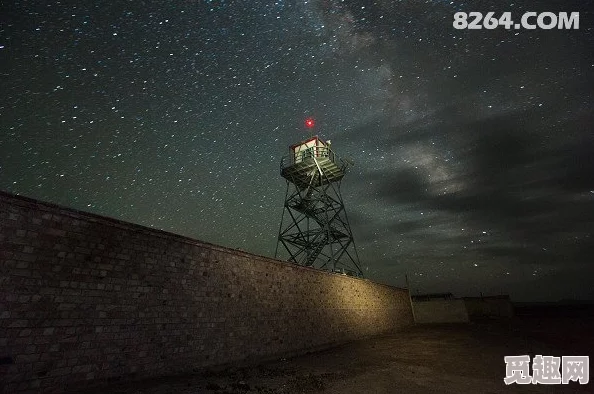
pixel 464 358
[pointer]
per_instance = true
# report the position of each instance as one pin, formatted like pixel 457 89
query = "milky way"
pixel 472 148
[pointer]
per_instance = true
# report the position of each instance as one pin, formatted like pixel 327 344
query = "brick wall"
pixel 86 299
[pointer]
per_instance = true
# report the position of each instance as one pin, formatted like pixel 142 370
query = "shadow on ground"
pixel 465 358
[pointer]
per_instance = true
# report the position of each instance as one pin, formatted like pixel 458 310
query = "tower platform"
pixel 327 164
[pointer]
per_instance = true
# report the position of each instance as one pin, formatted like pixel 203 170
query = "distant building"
pixel 439 308
pixel 445 308
pixel 432 297
pixel 489 307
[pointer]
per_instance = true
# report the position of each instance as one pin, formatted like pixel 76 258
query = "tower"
pixel 314 229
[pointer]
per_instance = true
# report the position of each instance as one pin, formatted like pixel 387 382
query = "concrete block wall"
pixel 85 300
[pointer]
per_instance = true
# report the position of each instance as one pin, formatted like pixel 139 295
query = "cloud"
pixel 476 158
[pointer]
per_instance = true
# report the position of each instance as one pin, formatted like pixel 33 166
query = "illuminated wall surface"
pixel 86 299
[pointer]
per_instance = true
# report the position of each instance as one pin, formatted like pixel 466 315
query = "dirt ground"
pixel 465 358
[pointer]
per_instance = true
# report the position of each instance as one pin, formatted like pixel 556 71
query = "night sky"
pixel 473 149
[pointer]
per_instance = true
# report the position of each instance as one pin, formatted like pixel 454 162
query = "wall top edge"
pixel 28 202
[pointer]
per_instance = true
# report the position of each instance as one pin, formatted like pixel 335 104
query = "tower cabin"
pixel 312 162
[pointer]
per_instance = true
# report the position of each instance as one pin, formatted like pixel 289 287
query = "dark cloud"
pixel 404 227
pixel 401 186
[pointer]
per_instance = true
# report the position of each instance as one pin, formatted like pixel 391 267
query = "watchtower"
pixel 314 229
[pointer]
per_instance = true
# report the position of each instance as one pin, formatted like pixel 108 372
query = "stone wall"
pixel 86 299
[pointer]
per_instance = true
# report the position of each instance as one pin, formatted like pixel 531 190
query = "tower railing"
pixel 318 152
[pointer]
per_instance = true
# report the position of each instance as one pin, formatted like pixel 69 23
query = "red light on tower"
pixel 309 123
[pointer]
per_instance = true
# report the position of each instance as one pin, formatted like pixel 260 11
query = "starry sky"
pixel 472 149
